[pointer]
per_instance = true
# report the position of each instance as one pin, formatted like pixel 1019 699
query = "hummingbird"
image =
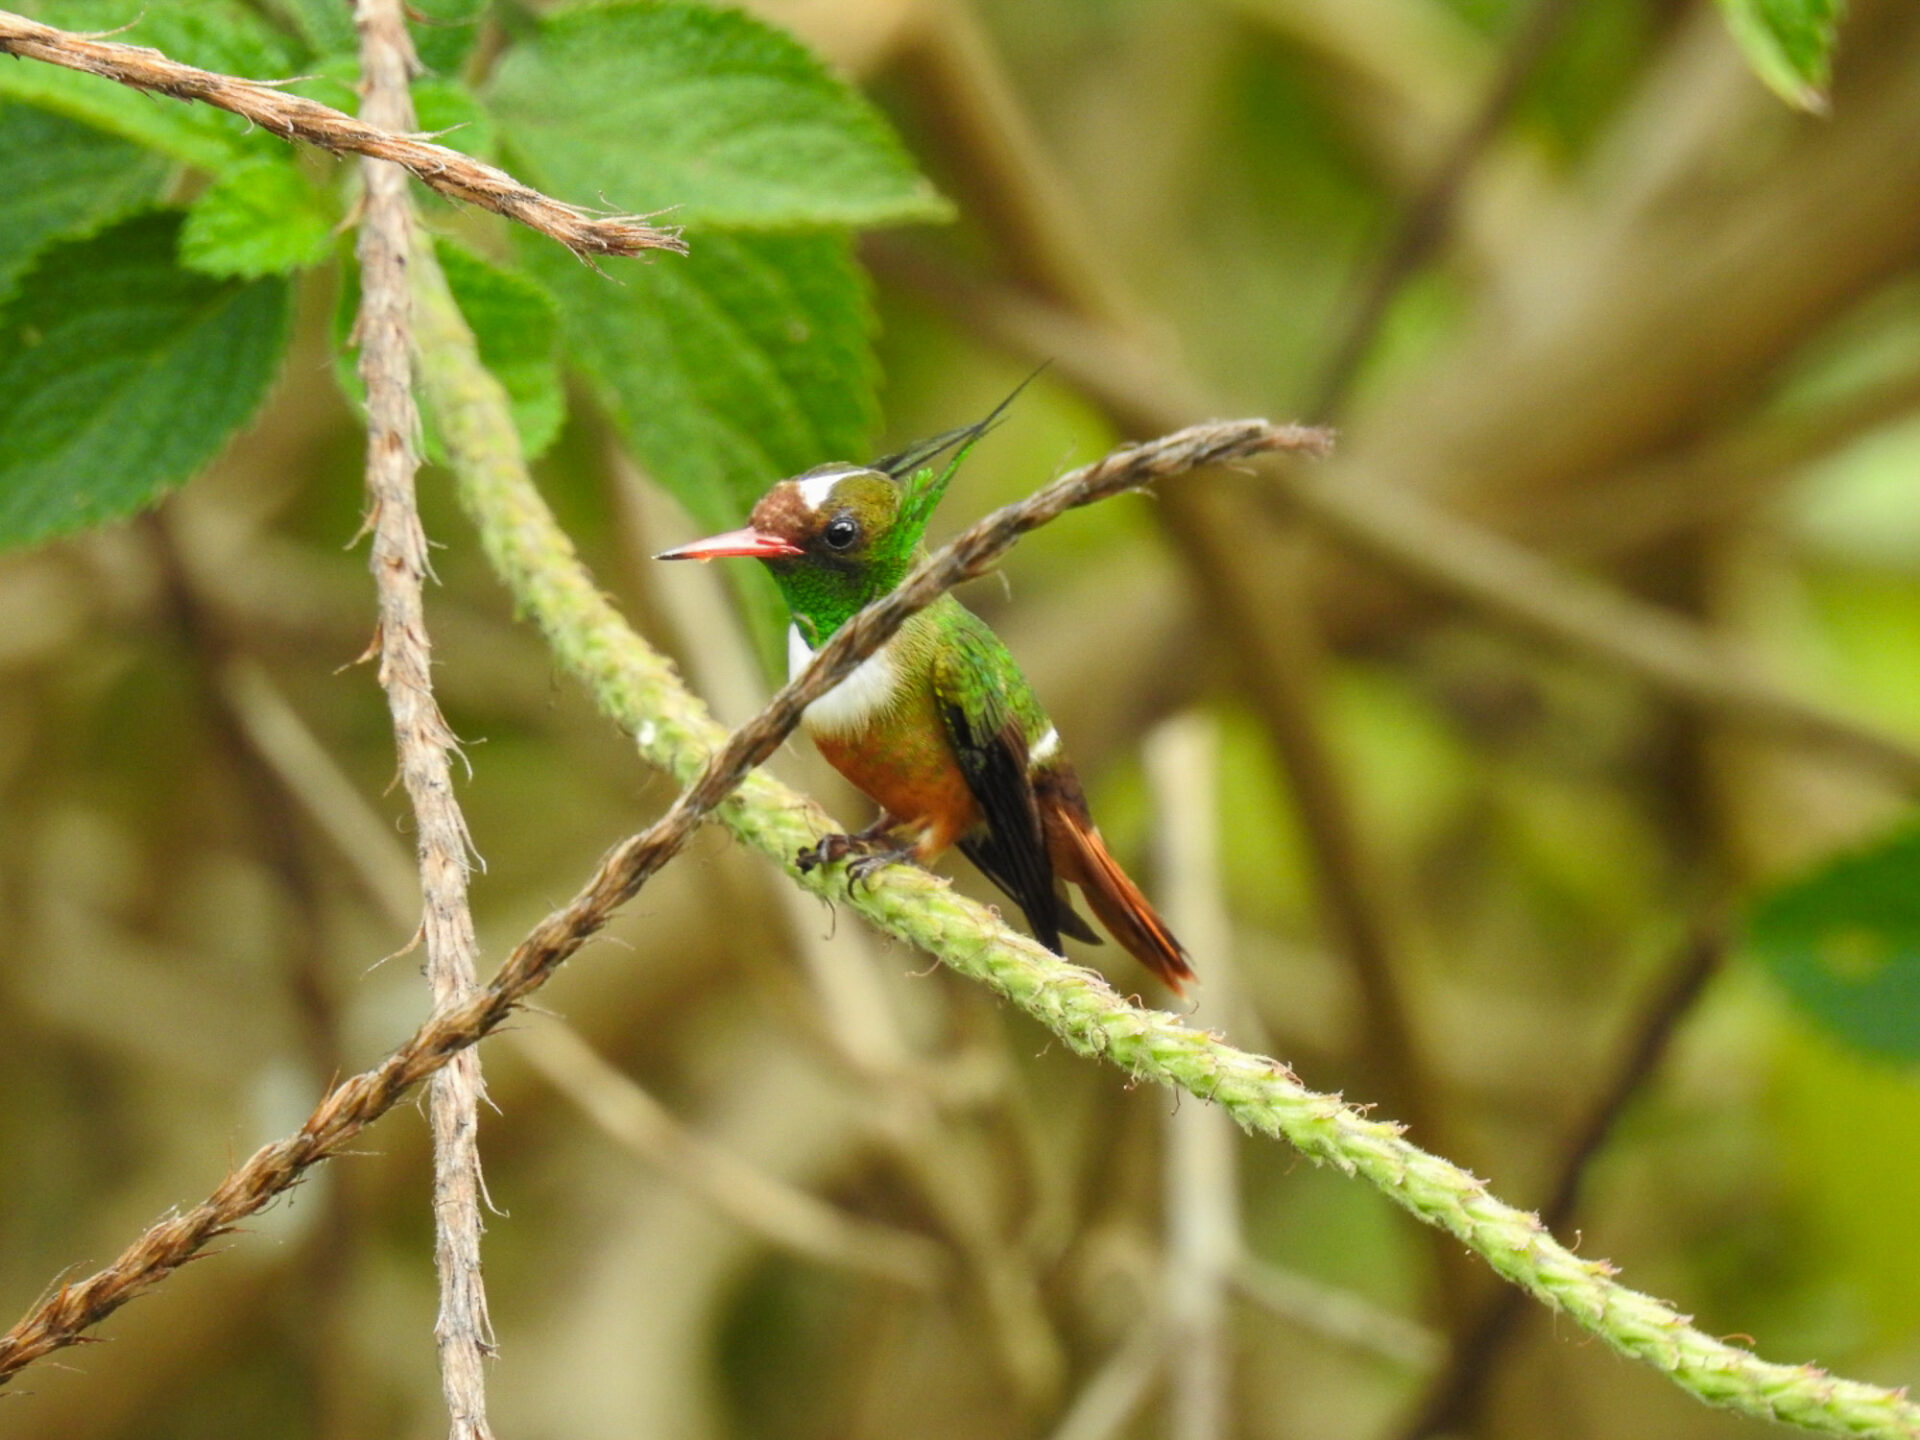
pixel 938 727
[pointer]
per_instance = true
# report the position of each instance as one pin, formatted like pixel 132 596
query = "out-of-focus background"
pixel 1442 832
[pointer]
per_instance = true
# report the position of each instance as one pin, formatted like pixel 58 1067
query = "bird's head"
pixel 842 535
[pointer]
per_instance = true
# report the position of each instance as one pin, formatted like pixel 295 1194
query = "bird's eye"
pixel 841 532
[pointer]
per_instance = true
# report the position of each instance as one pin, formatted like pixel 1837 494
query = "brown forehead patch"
pixel 783 512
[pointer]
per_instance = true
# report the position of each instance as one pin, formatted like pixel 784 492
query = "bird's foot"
pixel 872 850
pixel 860 872
pixel 826 851
pixel 830 849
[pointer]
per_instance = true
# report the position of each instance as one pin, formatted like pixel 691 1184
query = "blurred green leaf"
pixel 122 374
pixel 706 113
pixel 514 323
pixel 744 362
pixel 60 180
pixel 444 32
pixel 1845 942
pixel 447 111
pixel 326 25
pixel 263 217
pixel 1789 44
pixel 214 34
pixel 517 328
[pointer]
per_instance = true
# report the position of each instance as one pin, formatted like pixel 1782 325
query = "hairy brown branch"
pixel 462 1331
pixel 63 1318
pixel 456 176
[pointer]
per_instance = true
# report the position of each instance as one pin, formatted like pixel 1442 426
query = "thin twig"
pixel 1424 222
pixel 769 1207
pixel 1455 1394
pixel 462 1332
pixel 1108 1403
pixel 1340 1315
pixel 456 176
pixel 63 1317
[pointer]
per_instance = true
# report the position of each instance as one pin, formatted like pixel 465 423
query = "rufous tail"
pixel 1119 903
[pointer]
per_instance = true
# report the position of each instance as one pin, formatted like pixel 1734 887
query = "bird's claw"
pixel 830 849
pixel 860 872
pixel 827 850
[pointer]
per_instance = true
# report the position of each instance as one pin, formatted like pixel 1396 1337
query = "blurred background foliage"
pixel 1565 267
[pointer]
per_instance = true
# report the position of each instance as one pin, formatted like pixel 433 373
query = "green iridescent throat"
pixel 822 598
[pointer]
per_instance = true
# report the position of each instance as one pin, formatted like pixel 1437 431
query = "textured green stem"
pixel 640 690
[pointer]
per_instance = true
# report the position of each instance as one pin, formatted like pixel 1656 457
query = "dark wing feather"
pixel 984 851
pixel 992 751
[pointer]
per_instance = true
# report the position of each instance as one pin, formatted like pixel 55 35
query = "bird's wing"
pixel 991 745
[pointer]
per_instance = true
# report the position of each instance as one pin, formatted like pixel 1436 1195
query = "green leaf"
pixel 744 362
pixel 447 112
pixel 214 34
pixel 444 32
pixel 1845 942
pixel 325 25
pixel 122 374
pixel 518 332
pixel 263 217
pixel 1789 44
pixel 516 327
pixel 60 180
pixel 706 112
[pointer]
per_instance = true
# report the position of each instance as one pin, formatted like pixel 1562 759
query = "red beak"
pixel 750 542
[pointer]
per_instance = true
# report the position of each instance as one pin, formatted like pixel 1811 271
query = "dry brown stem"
pixel 462 1331
pixel 63 1317
pixel 456 176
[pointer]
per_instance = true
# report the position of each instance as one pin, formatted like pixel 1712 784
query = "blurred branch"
pixel 1410 79
pixel 269 807
pixel 1724 478
pixel 770 1208
pixel 302 766
pixel 1108 1402
pixel 462 1332
pixel 1456 1393
pixel 1421 541
pixel 1340 1315
pixel 1200 1178
pixel 1257 596
pixel 1423 224
pixel 291 117
pixel 1006 177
